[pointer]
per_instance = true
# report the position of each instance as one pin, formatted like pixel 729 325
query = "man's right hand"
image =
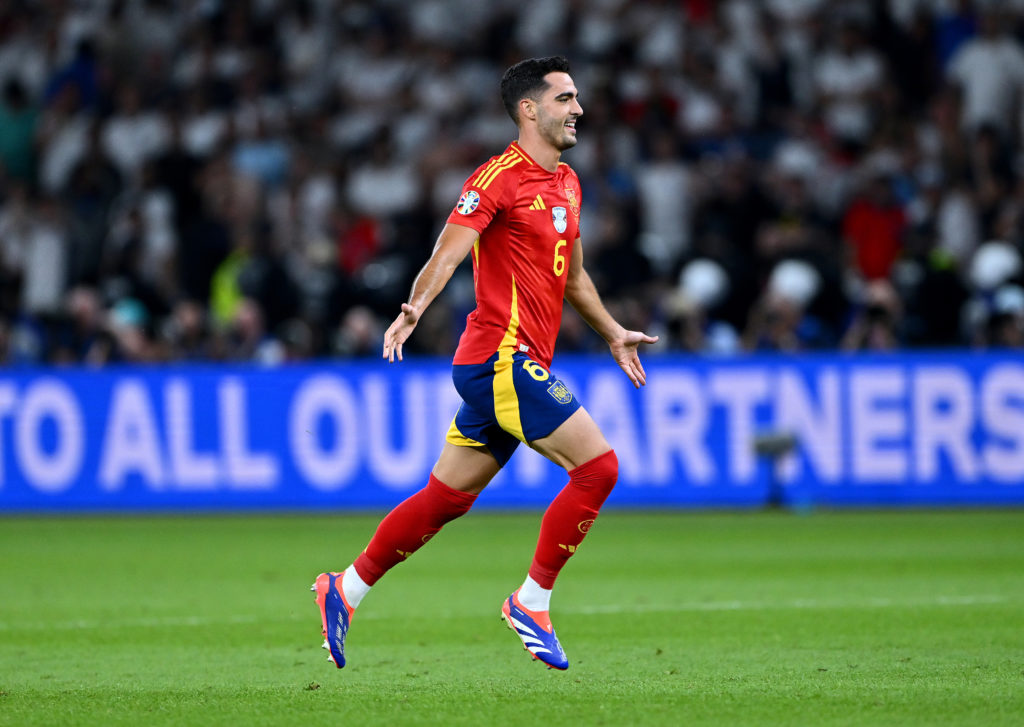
pixel 399 332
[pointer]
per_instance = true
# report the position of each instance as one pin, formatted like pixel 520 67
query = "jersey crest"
pixel 570 193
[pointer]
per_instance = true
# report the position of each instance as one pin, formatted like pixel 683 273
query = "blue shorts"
pixel 507 400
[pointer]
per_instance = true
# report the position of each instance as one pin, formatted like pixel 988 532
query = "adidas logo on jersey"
pixel 538 204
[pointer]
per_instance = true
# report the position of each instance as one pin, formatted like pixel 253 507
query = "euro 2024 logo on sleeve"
pixel 468 202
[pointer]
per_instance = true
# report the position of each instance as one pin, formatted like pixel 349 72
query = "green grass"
pixel 867 618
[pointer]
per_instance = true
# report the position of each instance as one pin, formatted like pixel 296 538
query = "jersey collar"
pixel 527 157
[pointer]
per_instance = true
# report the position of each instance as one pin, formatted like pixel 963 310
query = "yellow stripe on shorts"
pixel 506 403
pixel 458 438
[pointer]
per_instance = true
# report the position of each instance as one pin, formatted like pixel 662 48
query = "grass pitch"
pixel 867 618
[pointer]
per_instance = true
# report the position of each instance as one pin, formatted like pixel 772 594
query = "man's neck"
pixel 541 152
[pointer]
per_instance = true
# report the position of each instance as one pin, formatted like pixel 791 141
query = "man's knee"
pixel 467 469
pixel 600 474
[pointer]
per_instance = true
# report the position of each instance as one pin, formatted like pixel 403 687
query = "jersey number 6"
pixel 559 265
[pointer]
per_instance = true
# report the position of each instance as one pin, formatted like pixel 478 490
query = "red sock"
pixel 411 524
pixel 570 515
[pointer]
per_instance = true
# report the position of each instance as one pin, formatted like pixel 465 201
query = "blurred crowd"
pixel 260 180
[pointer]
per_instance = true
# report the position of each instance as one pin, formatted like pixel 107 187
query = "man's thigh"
pixel 576 441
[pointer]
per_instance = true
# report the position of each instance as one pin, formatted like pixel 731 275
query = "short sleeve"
pixel 481 199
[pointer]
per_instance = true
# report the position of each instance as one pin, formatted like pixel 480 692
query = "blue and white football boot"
pixel 534 629
pixel 335 614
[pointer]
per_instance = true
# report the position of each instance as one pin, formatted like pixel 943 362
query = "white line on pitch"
pixel 800 603
pixel 636 608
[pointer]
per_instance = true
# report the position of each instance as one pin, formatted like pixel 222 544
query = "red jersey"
pixel 528 219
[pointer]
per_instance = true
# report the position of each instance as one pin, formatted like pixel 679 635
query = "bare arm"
pixel 583 296
pixel 451 248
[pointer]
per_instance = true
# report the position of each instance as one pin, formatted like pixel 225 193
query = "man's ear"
pixel 527 109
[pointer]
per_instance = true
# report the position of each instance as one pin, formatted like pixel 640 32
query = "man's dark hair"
pixel 526 80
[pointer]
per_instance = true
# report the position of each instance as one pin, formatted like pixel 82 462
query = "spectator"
pixel 385 186
pixel 781 320
pixel 64 133
pixel 877 321
pixel 873 227
pixel 955 24
pixel 186 332
pixel 18 119
pixel 693 315
pixel 133 134
pixel 359 334
pixel 128 325
pixel 664 192
pixel 81 333
pixel 989 71
pixel 90 194
pixel 26 52
pixel 246 338
pixel 36 250
pixel 81 73
pixel 1005 325
pixel 848 81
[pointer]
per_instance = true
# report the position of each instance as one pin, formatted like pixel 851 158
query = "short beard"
pixel 560 139
pixel 568 142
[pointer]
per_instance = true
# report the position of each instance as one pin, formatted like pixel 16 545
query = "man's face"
pixel 557 111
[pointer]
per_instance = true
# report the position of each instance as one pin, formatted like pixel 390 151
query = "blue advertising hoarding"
pixel 924 429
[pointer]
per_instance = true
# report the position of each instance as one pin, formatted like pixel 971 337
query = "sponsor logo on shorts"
pixel 468 202
pixel 560 392
pixel 585 525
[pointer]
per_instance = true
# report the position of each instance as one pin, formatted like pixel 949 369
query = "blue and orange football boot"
pixel 335 614
pixel 534 629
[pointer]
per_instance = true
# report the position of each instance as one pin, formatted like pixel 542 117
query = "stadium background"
pixel 771 187
pixel 774 188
